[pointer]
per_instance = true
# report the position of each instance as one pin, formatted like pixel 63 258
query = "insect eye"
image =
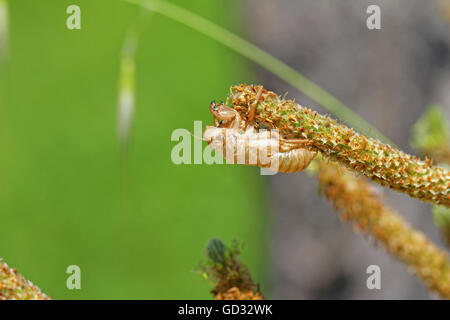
pixel 213 105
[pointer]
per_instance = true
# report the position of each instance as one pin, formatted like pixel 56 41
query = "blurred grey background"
pixel 400 69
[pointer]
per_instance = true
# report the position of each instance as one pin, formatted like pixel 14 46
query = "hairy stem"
pixel 380 162
pixel 354 198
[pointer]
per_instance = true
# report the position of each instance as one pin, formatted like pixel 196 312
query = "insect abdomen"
pixel 295 160
pixel 262 150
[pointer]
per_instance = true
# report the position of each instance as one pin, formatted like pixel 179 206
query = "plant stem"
pixel 380 162
pixel 354 198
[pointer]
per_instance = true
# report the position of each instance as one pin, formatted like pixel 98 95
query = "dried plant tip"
pixel 236 294
pixel 231 278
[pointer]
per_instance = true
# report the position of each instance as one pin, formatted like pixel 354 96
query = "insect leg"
pixel 302 142
pixel 291 144
pixel 294 160
pixel 252 108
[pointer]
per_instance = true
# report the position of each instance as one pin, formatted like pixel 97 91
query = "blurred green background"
pixel 61 200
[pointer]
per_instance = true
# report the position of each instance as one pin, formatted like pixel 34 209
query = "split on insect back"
pixel 240 143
